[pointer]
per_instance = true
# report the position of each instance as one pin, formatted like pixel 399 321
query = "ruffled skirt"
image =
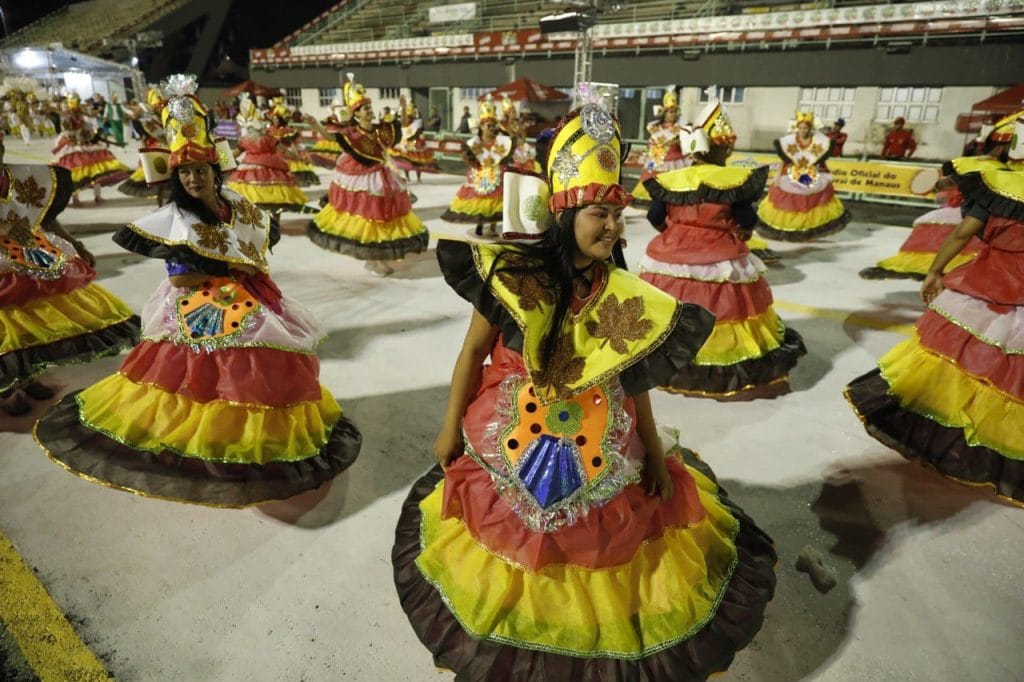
pixel 61 320
pixel 918 251
pixel 795 212
pixel 368 215
pixel 227 421
pixel 953 395
pixel 636 590
pixel 749 348
pixel 268 187
pixel 470 206
pixel 93 164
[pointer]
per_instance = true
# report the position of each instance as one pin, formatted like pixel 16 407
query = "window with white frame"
pixel 916 105
pixel 390 93
pixel 828 103
pixel 727 94
pixel 293 97
pixel 327 96
pixel 475 93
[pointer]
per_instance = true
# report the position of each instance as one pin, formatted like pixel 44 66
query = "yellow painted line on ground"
pixel 46 639
pixel 867 321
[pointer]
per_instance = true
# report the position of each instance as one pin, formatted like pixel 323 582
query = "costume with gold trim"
pixel 536 554
pixel 220 404
pixel 524 157
pixel 478 200
pixel 952 396
pixel 369 211
pixel 410 153
pixel 802 204
pixel 263 176
pixel 699 257
pixel 90 163
pixel 51 312
pixel 664 152
pixel 300 163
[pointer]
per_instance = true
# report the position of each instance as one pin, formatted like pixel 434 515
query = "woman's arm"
pixel 956 240
pixel 656 479
pixel 58 229
pixel 476 347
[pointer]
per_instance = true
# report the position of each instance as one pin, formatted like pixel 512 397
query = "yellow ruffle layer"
pixel 270 194
pixel 300 167
pixel 755 243
pixel 138 175
pixel 668 590
pixel 94 170
pixel 326 146
pixel 935 387
pixel 360 229
pixel 793 221
pixel 61 316
pixel 476 206
pixel 919 263
pixel 732 342
pixel 146 417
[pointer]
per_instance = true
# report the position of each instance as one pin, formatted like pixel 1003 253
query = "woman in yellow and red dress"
pixel 369 212
pixel 410 153
pixel 51 312
pixel 263 176
pixel 479 199
pixel 300 164
pixel 802 204
pixel 705 213
pixel 562 540
pixel 91 164
pixel 931 229
pixel 664 152
pixel 952 396
pixel 326 150
pixel 221 403
pixel 524 158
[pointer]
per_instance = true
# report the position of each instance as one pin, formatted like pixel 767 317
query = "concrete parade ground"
pixel 929 571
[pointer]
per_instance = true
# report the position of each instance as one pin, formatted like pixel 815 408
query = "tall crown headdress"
pixel 187 128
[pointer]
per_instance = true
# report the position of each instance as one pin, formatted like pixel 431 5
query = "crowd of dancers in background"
pixel 553 483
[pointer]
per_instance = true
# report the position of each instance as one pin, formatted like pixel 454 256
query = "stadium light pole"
pixel 581 19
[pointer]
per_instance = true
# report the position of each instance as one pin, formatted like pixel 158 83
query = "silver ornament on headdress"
pixel 596 117
pixel 177 89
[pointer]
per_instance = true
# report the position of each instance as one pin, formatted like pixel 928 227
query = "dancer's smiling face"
pixel 597 229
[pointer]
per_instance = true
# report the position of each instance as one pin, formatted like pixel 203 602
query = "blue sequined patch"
pixel 206 320
pixel 39 257
pixel 550 471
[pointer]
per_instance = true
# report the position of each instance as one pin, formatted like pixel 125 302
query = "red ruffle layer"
pixel 370 206
pixel 977 358
pixel 928 237
pixel 17 289
pixel 263 376
pixel 729 301
pixel 799 203
pixel 263 176
pixel 607 536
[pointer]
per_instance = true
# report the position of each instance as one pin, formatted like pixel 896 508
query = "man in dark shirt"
pixel 464 123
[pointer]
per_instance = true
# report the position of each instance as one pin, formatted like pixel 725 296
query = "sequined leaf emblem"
pixel 531 288
pixel 564 368
pixel 213 237
pixel 247 213
pixel 250 251
pixel 18 227
pixel 29 192
pixel 566 165
pixel 620 322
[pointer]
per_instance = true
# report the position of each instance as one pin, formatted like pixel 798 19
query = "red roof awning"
pixel 524 89
pixel 1004 102
pixel 253 88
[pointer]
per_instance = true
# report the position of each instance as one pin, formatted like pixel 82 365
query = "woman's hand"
pixel 932 287
pixel 656 480
pixel 448 446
